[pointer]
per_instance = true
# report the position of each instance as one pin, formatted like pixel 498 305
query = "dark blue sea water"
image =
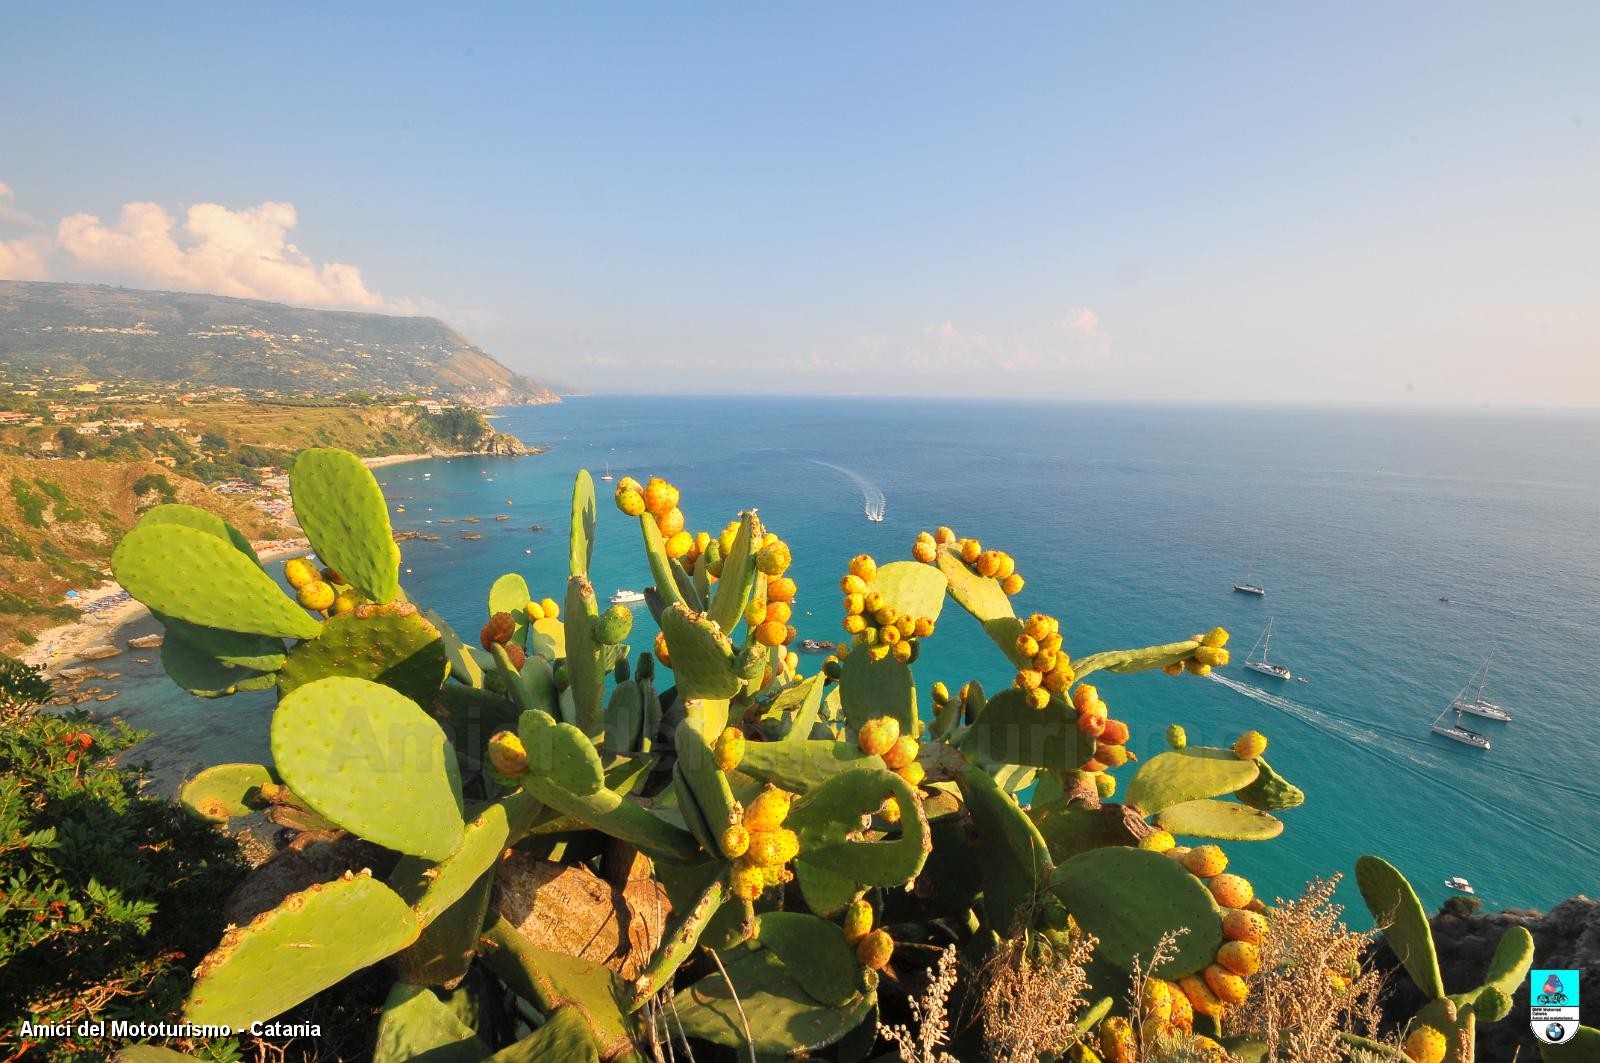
pixel 1131 523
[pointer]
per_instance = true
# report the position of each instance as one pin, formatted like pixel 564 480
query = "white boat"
pixel 1456 731
pixel 1459 884
pixel 1477 704
pixel 1261 664
pixel 875 512
pixel 608 475
pixel 627 597
pixel 1244 586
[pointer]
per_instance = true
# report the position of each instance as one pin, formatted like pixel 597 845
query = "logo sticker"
pixel 1553 1005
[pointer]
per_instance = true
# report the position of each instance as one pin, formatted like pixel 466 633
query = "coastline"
pixel 384 460
pixel 107 609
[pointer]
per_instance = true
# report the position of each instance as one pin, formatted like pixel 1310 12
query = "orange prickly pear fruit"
pixel 1028 679
pixel 1005 566
pixel 988 563
pixel 317 596
pixel 1117 1042
pixel 903 752
pixel 944 535
pixel 1425 1045
pixel 853 604
pixel 735 841
pixel 779 612
pixel 913 773
pixel 923 626
pixel 1056 681
pixel 1229 987
pixel 1176 668
pixel 781 589
pixel 659 496
pixel 1158 842
pixel 770 633
pixel 746 881
pixel 857 920
pixel 1250 745
pixel 1240 957
pixel 661 649
pixel 1027 645
pixel 679 544
pixel 729 749
pixel 507 754
pixel 1111 755
pixel 773 560
pixel 878 736
pixel 1231 891
pixel 874 949
pixel 671 523
pixel 1012 584
pixel 1091 725
pixel 772 847
pixel 853 584
pixel 925 549
pixel 1115 732
pixel 1038 698
pixel 1084 695
pixel 1245 926
pixel 863 567
pixel 1205 861
pixel 768 810
pixel 298 571
pixel 1182 1010
pixel 1200 996
pixel 903 651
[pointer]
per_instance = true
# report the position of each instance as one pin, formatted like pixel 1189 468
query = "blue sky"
pixel 1255 202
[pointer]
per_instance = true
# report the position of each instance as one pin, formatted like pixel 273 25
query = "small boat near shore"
pixel 1459 884
pixel 813 646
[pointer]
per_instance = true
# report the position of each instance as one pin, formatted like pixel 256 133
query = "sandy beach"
pixel 108 608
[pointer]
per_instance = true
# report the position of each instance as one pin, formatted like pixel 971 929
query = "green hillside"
pixel 70 333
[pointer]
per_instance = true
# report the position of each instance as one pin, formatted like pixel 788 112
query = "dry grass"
pixel 925 1041
pixel 1312 985
pixel 1030 1000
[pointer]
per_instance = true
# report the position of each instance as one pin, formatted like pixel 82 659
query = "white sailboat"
pixel 608 475
pixel 1245 586
pixel 1461 734
pixel 1261 664
pixel 1477 704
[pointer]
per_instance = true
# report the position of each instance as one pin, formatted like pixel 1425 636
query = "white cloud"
pixel 22 259
pixel 241 253
pixel 1081 319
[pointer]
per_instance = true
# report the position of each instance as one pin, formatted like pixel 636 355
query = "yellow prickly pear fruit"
pixel 661 649
pixel 1204 861
pixel 925 549
pixel 922 627
pixel 912 773
pixel 1113 756
pixel 1038 699
pixel 773 560
pixel 1240 957
pixel 776 874
pixel 770 633
pixel 1005 567
pixel 770 847
pixel 725 538
pixel 944 535
pixel 1196 668
pixel 1084 695
pixel 1117 1043
pixel 768 810
pixel 878 736
pixel 346 603
pixel 903 651
pixel 855 623
pixel 317 596
pixel 878 653
pixel 679 544
pixel 780 612
pixel 659 496
pixel 1155 1000
pixel 630 502
pixel 971 549
pixel 1158 842
pixel 988 563
pixel 1012 584
pixel 755 612
pixel 1231 891
pixel 1216 638
pixel 853 604
pixel 729 749
pixel 903 752
pixel 1209 1051
pixel 853 584
pixel 746 881
pixel 1182 1010
pixel 534 611
pixel 863 567
pixel 1027 645
pixel 1229 987
pixel 551 610
pixel 299 571
pixel 671 523
pixel 874 949
pixel 792 661
pixel 507 754
pixel 1175 668
pixel 1177 738
pixel 628 483
pixel 1106 786
pixel 1245 926
pixel 1250 745
pixel 1425 1045
pixel 781 589
pixel 735 842
pixel 1201 999
pixel 941 693
pixel 857 920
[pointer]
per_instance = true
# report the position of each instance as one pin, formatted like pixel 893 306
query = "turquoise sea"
pixel 1131 523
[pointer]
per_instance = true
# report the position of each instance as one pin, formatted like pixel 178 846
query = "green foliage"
pixel 30 502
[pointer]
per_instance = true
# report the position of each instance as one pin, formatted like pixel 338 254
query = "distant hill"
pixel 91 332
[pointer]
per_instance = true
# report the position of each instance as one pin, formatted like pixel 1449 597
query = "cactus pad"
pixel 702 655
pixel 1395 908
pixel 1016 860
pixel 833 865
pixel 306 944
pixel 732 592
pixel 912 588
pixel 404 653
pixel 464 667
pixel 1187 774
pixel 580 544
pixel 1129 897
pixel 815 952
pixel 1227 820
pixel 340 505
pixel 584 659
pixel 370 760
pixel 784 1019
pixel 1271 792
pixel 868 689
pixel 197 577
pixel 655 551
pixel 194 517
pixel 225 790
pixel 801 765
pixel 561 755
pixel 1126 662
pixel 1009 732
pixel 415 1024
pixel 205 676
pixel 431 888
pixel 548 639
pixel 978 595
pixel 260 653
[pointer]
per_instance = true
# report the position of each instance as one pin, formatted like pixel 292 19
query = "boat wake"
pixel 1390 745
pixel 872 498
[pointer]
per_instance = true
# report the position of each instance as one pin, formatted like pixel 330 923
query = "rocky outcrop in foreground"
pixel 1567 938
